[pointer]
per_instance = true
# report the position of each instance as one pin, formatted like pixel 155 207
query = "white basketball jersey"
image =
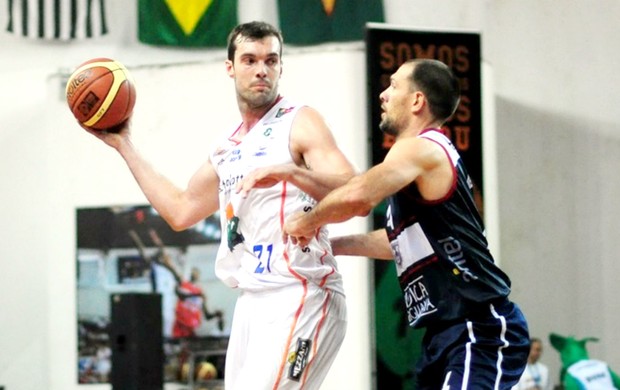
pixel 252 255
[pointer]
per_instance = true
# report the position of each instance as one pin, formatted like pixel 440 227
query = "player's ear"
pixel 230 68
pixel 418 100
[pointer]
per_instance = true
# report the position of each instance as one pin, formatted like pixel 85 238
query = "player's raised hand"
pixel 113 136
pixel 265 177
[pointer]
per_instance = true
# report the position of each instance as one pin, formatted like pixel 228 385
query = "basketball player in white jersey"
pixel 290 318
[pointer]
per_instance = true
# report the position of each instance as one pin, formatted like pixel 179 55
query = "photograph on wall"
pixel 128 252
pixel 397 345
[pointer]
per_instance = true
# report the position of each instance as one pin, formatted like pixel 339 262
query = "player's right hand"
pixel 295 229
pixel 113 136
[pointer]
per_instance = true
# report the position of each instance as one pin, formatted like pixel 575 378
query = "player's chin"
pixel 261 95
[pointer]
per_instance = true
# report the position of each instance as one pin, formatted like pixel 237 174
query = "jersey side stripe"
pixel 316 336
pixel 500 355
pixel 303 298
pixel 333 271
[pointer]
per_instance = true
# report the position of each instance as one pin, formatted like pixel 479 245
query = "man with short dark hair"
pixel 290 318
pixel 476 338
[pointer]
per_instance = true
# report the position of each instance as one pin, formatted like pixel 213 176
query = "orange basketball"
pixel 101 93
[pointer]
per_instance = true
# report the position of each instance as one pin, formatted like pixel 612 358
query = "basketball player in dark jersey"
pixel 476 338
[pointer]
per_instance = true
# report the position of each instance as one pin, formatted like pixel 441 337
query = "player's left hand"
pixel 265 177
pixel 295 229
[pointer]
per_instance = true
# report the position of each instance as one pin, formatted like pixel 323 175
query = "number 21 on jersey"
pixel 263 254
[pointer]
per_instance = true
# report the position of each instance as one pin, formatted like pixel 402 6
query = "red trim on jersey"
pixel 237 142
pixel 442 131
pixel 419 265
pixel 232 139
pixel 316 336
pixel 454 173
pixel 289 339
pixel 329 274
pixel 323 256
pixel 304 284
pixel 288 263
pixel 282 202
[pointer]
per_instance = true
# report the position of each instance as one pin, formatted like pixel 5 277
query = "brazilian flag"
pixel 308 22
pixel 189 23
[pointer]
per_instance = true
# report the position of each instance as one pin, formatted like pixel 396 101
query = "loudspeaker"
pixel 137 342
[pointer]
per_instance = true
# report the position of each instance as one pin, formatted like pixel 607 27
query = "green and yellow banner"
pixel 190 23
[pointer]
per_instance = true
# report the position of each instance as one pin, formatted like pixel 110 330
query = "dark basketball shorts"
pixel 487 351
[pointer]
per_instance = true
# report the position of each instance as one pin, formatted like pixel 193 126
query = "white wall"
pixel 558 149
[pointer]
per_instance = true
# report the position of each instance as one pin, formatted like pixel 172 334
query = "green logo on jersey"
pixel 233 234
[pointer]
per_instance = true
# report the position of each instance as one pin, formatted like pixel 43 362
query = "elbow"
pixel 177 228
pixel 178 223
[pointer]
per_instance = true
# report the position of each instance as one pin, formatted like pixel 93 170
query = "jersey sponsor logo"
pixel 262 151
pixel 219 151
pixel 233 234
pixel 302 197
pixel 454 251
pixel 236 155
pixel 409 247
pixel 398 257
pixel 299 359
pixel 283 111
pixel 417 300
pixel 227 184
pixel 596 377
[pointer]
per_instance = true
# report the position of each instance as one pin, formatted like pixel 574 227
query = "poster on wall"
pixel 129 250
pixel 397 345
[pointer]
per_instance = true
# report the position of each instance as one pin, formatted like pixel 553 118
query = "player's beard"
pixel 388 126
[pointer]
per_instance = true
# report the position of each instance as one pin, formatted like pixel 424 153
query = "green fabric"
pixel 158 26
pixel 305 22
pixel 571 351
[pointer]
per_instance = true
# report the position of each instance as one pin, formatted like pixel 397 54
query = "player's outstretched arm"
pixel 374 245
pixel 404 163
pixel 180 208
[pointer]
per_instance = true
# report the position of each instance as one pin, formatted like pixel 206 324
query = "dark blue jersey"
pixel 442 258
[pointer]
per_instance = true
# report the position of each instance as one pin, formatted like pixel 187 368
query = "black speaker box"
pixel 137 342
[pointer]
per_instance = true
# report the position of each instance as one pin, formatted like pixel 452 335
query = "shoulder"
pixel 416 149
pixel 309 127
pixel 308 116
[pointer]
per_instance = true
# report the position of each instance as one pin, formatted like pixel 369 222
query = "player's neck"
pixel 417 126
pixel 251 116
